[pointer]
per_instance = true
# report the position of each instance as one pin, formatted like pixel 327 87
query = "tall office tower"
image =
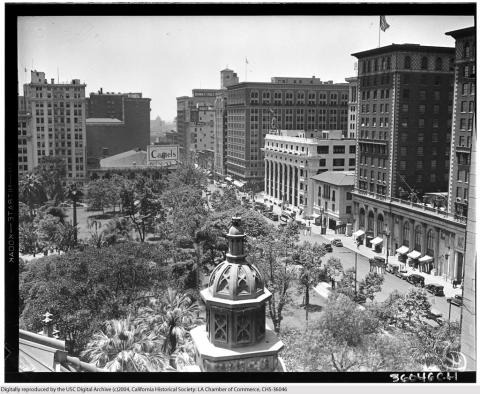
pixel 116 123
pixel 227 78
pixel 254 108
pixel 463 118
pixel 55 125
pixel 403 136
pixel 462 187
pixel 404 119
pixel 189 111
pixel 352 106
pixel 25 137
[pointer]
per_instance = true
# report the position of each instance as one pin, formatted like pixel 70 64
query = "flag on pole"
pixel 246 61
pixel 383 23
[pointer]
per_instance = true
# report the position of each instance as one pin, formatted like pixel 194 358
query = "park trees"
pixel 334 270
pixel 51 171
pixel 309 257
pixel 84 289
pixel 31 190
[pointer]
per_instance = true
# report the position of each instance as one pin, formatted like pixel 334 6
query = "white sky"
pixel 167 56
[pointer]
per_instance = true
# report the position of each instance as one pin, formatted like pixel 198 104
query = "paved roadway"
pixel 347 257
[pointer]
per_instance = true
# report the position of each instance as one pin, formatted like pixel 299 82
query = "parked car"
pixel 267 214
pixel 435 289
pixel 274 217
pixel 337 242
pixel 456 300
pixel 327 247
pixel 402 274
pixel 416 280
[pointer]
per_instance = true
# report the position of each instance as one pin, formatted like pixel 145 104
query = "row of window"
pixel 365 108
pixel 384 63
pixel 382 122
pixel 299 98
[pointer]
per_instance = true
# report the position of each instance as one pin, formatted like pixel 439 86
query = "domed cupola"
pixel 235 298
pixel 235 337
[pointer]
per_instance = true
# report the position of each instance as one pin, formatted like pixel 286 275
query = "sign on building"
pixel 162 154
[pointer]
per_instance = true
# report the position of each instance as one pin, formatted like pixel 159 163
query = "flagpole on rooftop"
pixel 379 28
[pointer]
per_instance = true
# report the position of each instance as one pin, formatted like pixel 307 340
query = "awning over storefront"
pixel 239 184
pixel 414 255
pixel 228 179
pixel 402 250
pixel 425 259
pixel 394 263
pixel 376 241
pixel 358 233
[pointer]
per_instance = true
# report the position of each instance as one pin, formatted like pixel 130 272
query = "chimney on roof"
pixel 101 91
pixel 52 80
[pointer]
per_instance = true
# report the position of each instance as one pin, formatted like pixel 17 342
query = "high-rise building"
pixel 403 152
pixel 290 104
pixel 52 123
pixel 116 123
pixel 462 187
pixel 189 125
pixel 404 112
pixel 352 106
pixel 227 78
pixel 463 119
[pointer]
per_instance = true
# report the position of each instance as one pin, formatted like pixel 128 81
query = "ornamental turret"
pixel 235 337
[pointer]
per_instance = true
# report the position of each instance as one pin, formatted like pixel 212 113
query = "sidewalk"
pixel 349 243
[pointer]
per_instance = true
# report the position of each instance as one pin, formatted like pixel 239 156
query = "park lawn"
pixel 294 316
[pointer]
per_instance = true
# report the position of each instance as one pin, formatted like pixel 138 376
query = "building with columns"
pixel 291 103
pixel 292 157
pixel 405 153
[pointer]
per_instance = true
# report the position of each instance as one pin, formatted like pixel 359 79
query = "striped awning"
pixel 376 241
pixel 358 233
pixel 425 259
pixel 414 255
pixel 402 250
pixel 238 184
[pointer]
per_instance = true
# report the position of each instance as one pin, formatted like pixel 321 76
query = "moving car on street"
pixel 337 242
pixel 416 280
pixel 435 289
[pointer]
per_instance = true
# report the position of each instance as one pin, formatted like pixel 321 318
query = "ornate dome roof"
pixel 236 281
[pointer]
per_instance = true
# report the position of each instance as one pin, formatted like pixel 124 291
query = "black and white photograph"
pixel 284 191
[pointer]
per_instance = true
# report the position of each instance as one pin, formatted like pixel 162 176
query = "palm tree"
pixel 125 346
pixel 31 190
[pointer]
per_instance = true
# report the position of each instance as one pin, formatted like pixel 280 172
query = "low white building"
pixel 292 157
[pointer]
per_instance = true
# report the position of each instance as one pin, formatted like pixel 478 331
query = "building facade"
pixel 332 199
pixel 292 157
pixel 25 136
pixel 116 122
pixel 188 118
pixel 406 152
pixel 286 103
pixel 405 104
pixel 52 123
pixel 227 78
pixel 463 119
pixel 352 106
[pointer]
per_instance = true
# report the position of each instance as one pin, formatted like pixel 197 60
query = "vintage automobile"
pixel 337 242
pixel 402 274
pixel 274 217
pixel 416 280
pixel 456 300
pixel 435 289
pixel 327 247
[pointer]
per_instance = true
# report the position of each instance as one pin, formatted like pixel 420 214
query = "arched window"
pixel 466 49
pixel 362 218
pixel 406 234
pixel 424 64
pixel 383 64
pixel 430 240
pixel 438 64
pixel 369 66
pixel 407 62
pixel 364 66
pixel 388 63
pixel 418 238
pixel 375 65
pixel 370 221
pixel 380 224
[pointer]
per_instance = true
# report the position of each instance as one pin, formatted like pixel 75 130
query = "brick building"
pixel 463 119
pixel 291 104
pixel 116 122
pixel 352 106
